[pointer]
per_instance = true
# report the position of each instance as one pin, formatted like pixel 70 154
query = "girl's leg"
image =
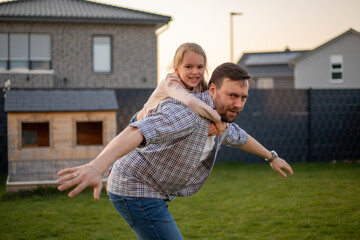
pixel 148 217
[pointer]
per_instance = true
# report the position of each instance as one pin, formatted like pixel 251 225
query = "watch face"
pixel 274 154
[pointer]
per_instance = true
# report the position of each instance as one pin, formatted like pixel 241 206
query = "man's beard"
pixel 226 118
pixel 223 110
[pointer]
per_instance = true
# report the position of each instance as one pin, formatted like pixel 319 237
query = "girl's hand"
pixel 217 128
pixel 221 127
pixel 213 130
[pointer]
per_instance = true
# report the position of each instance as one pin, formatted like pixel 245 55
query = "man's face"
pixel 230 99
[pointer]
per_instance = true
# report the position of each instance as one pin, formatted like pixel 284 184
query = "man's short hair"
pixel 228 70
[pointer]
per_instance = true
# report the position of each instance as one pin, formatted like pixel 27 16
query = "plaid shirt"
pixel 169 164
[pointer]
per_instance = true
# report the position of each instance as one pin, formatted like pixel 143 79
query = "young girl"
pixel 188 77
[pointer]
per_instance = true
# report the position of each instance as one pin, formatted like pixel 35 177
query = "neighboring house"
pixel 333 65
pixel 49 130
pixel 77 44
pixel 270 69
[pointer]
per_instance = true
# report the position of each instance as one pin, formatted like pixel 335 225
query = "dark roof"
pixel 270 71
pixel 348 32
pixel 269 58
pixel 76 11
pixel 266 64
pixel 60 100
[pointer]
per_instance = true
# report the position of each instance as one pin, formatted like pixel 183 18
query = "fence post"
pixel 310 142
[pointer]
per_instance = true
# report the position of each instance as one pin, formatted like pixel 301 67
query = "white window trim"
pixel 94 60
pixel 336 59
pixel 27 71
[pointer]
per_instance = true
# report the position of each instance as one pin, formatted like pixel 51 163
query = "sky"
pixel 266 25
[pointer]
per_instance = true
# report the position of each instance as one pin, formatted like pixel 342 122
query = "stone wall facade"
pixel 134 56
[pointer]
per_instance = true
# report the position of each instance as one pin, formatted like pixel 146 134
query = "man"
pixel 174 158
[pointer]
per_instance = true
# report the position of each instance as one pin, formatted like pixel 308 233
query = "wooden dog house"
pixel 49 130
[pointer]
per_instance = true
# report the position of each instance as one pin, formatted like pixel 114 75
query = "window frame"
pixel 29 60
pixel 5 51
pixel 110 53
pixel 336 59
pixel 18 59
pixel 88 145
pixel 28 146
pixel 43 59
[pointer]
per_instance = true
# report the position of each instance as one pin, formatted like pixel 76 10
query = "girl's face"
pixel 191 69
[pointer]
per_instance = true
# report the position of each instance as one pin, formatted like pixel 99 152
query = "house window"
pixel 89 133
pixel 23 52
pixel 40 55
pixel 4 51
pixel 19 51
pixel 35 134
pixel 336 69
pixel 102 54
pixel 265 83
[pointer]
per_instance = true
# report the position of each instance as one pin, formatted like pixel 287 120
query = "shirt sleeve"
pixel 235 136
pixel 168 122
pixel 176 89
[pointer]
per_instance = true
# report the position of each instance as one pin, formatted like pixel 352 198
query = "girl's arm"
pixel 140 114
pixel 177 90
pixel 158 95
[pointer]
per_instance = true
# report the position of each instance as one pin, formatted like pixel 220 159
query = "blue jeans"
pixel 148 217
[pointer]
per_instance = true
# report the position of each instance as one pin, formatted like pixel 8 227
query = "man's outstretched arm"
pixel 91 174
pixel 254 147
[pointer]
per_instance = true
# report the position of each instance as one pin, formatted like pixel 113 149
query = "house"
pixel 270 69
pixel 332 65
pixel 65 60
pixel 77 44
pixel 49 130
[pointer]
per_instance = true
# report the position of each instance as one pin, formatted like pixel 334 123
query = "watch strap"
pixel 274 155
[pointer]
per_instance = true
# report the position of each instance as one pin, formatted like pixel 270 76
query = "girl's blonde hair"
pixel 196 48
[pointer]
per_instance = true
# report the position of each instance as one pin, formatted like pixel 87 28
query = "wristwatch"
pixel 274 155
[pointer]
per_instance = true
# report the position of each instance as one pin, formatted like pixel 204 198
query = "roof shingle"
pixel 265 64
pixel 75 11
pixel 60 100
pixel 270 58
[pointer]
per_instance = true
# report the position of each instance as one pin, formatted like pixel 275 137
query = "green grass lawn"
pixel 321 201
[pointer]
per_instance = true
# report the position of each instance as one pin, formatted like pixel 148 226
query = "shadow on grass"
pixel 38 192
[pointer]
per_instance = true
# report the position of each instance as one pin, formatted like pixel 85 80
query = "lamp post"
pixel 232 14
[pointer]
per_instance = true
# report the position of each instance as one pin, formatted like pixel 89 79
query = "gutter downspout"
pixel 157 33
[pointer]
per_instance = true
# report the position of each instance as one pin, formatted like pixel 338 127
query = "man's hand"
pixel 278 164
pixel 82 176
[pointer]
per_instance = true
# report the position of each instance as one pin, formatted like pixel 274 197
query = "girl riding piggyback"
pixel 189 65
